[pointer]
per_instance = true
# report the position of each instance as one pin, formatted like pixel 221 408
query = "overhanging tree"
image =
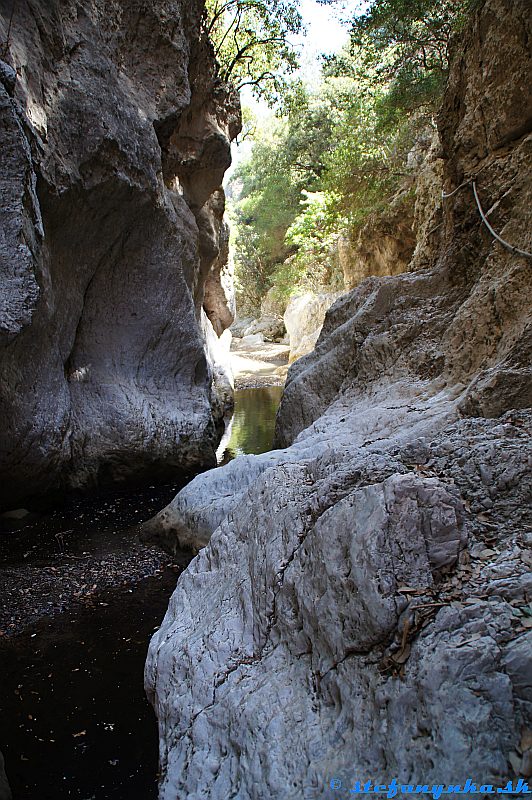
pixel 252 42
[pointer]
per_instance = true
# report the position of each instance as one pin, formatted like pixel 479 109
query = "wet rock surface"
pixel 362 607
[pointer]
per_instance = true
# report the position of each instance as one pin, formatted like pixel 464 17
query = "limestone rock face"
pixel 428 205
pixel 322 582
pixel 114 140
pixel 271 305
pixel 361 608
pixel 219 301
pixel 303 319
pixel 485 127
pixel 404 236
pixel 384 246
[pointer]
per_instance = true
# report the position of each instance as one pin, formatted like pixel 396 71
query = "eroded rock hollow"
pixel 359 609
pixel 114 140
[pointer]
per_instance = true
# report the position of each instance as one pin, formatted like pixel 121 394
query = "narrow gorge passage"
pixel 321 212
pixel 74 718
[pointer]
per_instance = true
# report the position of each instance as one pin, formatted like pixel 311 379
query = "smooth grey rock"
pixel 269 326
pixel 273 642
pixel 303 319
pixel 114 146
pixel 377 427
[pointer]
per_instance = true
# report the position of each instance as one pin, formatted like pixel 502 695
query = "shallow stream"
pixel 79 601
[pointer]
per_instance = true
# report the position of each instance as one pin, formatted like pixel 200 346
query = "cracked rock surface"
pixel 337 625
pixel 361 605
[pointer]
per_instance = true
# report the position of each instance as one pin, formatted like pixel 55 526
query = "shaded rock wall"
pixel 115 137
pixel 219 301
pixel 361 608
pixel 384 246
pixel 397 238
pixel 485 127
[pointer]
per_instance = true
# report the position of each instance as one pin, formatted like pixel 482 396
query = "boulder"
pixel 239 326
pixel 271 328
pixel 303 319
pixel 251 340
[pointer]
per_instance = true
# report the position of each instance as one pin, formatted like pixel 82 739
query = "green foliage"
pixel 414 35
pixel 398 61
pixel 340 153
pixel 252 42
pixel 249 125
pixel 289 157
pixel 285 280
pixel 267 191
pixel 313 234
pixel 368 163
pixel 252 276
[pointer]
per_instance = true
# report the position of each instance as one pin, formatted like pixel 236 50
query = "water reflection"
pixel 251 428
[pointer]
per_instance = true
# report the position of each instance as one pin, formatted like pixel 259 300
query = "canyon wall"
pixel 383 246
pixel 360 607
pixel 114 141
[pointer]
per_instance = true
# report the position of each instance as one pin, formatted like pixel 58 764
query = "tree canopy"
pixel 252 42
pixel 339 152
